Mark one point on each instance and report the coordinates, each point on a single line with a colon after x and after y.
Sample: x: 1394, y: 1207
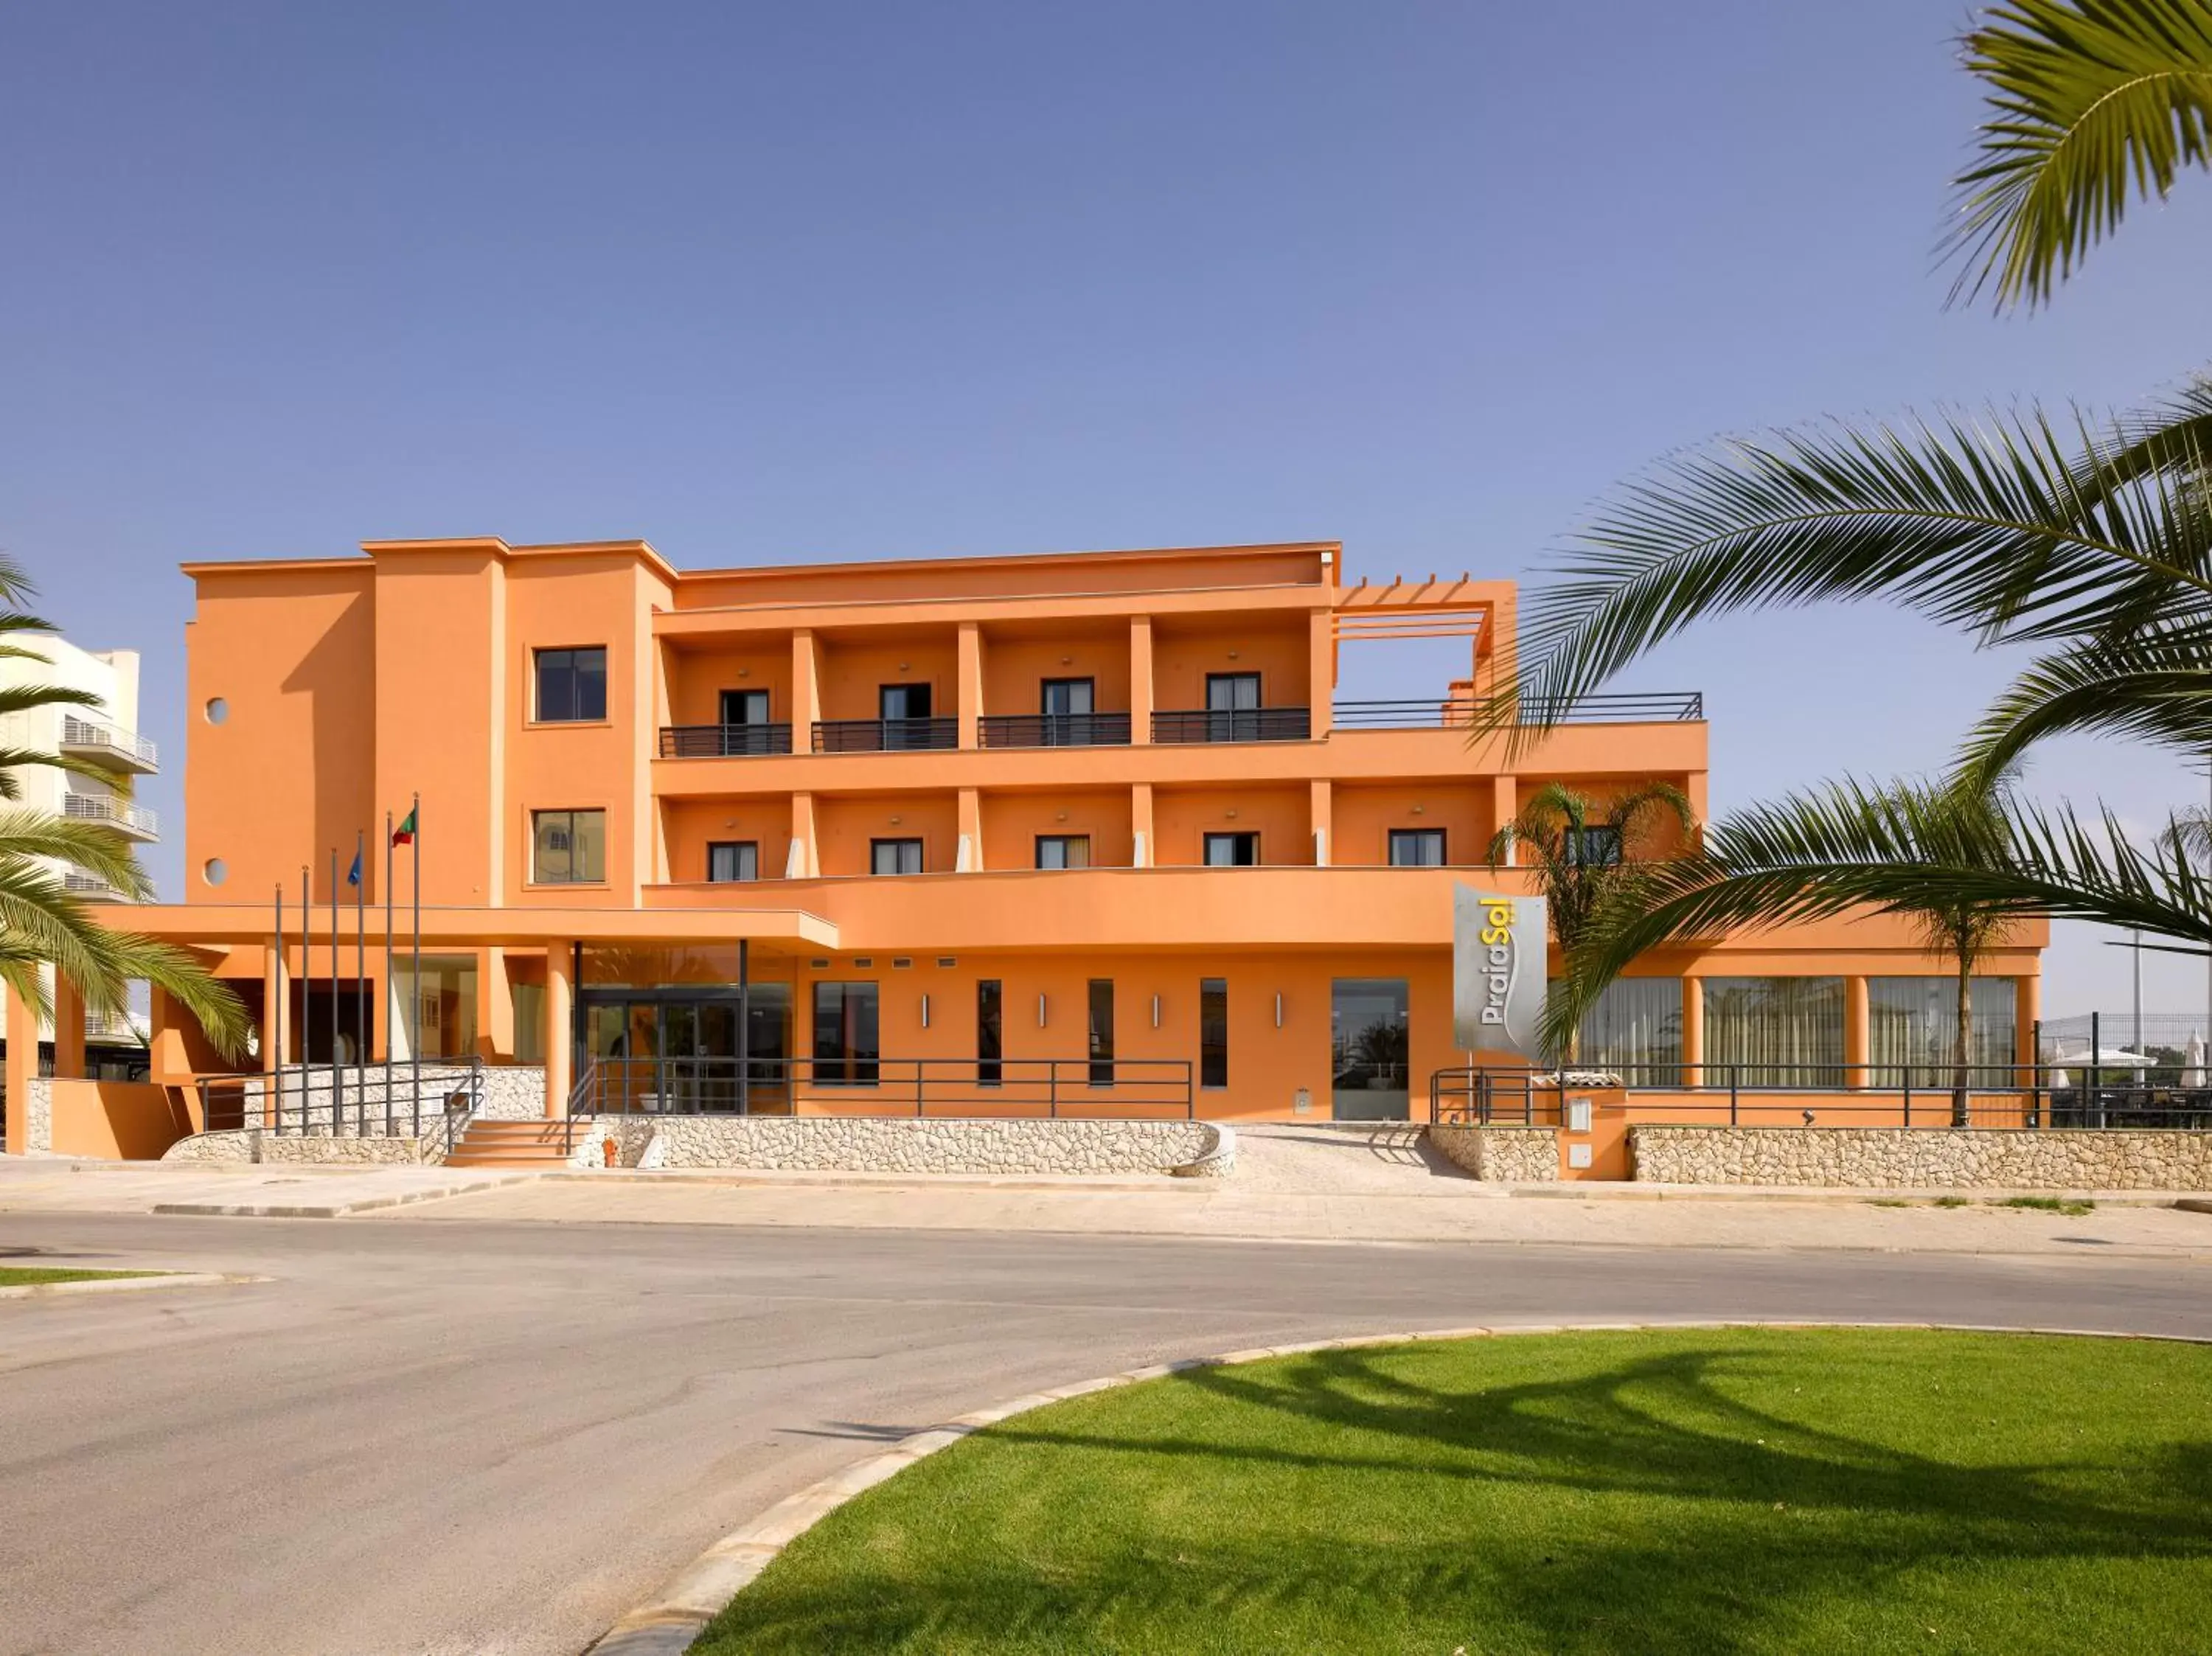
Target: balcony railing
x: 79, y: 883
x: 102, y: 808
x: 104, y: 742
x: 722, y: 741
x: 1053, y: 730
x: 1621, y: 707
x: 885, y: 735
x: 1242, y: 725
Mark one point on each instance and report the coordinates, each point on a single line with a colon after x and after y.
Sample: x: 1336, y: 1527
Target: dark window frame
x: 1213, y: 1042
x: 1601, y: 834
x: 1206, y: 845
x: 1259, y: 691
x: 768, y: 708
x: 1099, y: 1026
x: 1400, y: 835
x: 1046, y: 686
x: 734, y: 845
x: 1062, y: 840
x: 877, y: 847
x: 578, y: 712
x: 838, y: 1062
x: 572, y: 812
x: 990, y: 1031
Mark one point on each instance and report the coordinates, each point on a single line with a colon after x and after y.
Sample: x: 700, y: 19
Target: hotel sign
x: 1499, y: 946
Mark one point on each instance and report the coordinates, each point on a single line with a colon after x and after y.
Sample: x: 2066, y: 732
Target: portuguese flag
x: 405, y: 834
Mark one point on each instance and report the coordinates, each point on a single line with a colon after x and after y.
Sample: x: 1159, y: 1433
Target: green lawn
x: 1699, y: 1491
x: 35, y: 1276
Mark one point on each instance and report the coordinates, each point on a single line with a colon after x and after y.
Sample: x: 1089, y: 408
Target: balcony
x: 91, y: 887
x: 722, y: 741
x: 885, y: 735
x: 1052, y: 730
x: 1625, y: 707
x: 123, y: 750
x: 136, y: 822
x: 1241, y: 725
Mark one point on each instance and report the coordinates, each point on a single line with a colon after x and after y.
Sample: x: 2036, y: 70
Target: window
x: 528, y: 1001
x: 1232, y: 706
x: 990, y: 1027
x: 1913, y: 1023
x: 1774, y: 1032
x: 904, y: 710
x: 733, y: 860
x: 568, y: 847
x: 846, y: 1049
x: 1416, y: 847
x: 1213, y: 1032
x: 572, y: 685
x: 1593, y: 847
x: 1232, y: 850
x: 1066, y: 697
x: 745, y: 707
x: 1635, y: 1030
x: 1102, y: 1032
x: 1063, y: 851
x: 894, y: 856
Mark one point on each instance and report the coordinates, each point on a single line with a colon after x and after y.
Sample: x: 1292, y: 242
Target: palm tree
x: 42, y: 922
x: 1846, y: 847
x: 1588, y: 853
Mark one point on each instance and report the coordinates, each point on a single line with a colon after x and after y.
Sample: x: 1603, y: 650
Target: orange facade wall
x: 696, y: 679
x: 1282, y: 817
x: 1013, y: 821
x: 854, y: 668
x: 1016, y: 666
x: 845, y: 829
x: 690, y: 825
x: 127, y: 1121
x: 1185, y: 651
x: 1364, y: 815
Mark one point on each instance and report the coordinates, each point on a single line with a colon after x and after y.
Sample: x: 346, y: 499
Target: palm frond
x: 2091, y: 105
x: 2155, y: 687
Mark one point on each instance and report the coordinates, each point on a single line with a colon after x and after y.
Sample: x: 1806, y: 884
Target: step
x: 553, y: 1158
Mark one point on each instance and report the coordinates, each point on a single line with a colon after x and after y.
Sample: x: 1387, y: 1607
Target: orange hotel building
x: 961, y: 815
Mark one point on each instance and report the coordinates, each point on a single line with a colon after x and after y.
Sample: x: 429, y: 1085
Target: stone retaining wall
x: 1923, y: 1157
x: 879, y: 1144
x: 1501, y: 1156
x: 39, y: 1129
x: 255, y: 1144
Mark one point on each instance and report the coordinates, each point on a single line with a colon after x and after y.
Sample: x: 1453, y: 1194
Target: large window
x: 1416, y: 847
x: 1370, y: 1049
x: 990, y: 1032
x: 1232, y: 706
x: 733, y: 860
x: 1102, y: 1032
x: 1635, y: 1031
x: 1232, y: 850
x: 1598, y: 846
x: 442, y: 1006
x: 572, y: 685
x: 1213, y: 1032
x: 894, y: 856
x: 1914, y: 1022
x: 1777, y: 1032
x: 1063, y: 851
x: 568, y: 847
x: 846, y: 1052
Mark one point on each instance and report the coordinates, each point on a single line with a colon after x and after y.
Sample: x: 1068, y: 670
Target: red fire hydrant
x: 608, y: 1145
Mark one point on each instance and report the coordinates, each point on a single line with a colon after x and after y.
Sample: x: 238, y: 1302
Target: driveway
x: 493, y: 1437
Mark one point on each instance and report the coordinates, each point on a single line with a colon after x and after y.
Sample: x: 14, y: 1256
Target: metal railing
x: 90, y: 733
x: 722, y: 741
x: 885, y: 735
x: 376, y: 1101
x: 89, y: 885
x: 1053, y: 730
x: 2005, y: 1095
x: 1103, y: 1089
x: 1240, y: 725
x: 106, y: 808
x: 1621, y: 707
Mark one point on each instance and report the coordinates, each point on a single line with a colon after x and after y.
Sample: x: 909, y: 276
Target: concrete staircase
x: 511, y: 1144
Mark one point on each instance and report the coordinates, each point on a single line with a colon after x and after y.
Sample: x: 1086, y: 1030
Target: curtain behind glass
x: 1785, y: 1032
x: 1912, y: 1021
x: 1635, y: 1031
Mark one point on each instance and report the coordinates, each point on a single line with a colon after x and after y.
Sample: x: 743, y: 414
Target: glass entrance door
x: 1369, y: 1050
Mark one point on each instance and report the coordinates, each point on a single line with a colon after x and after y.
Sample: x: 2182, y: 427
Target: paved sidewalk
x: 57, y: 1185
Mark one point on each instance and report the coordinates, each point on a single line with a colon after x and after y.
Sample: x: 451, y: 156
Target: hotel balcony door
x: 1370, y: 1049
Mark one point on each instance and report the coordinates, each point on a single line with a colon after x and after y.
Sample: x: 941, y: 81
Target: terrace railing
x: 1239, y: 724
x: 1431, y: 713
x: 722, y: 741
x: 1053, y: 730
x: 885, y: 735
x: 1096, y: 1090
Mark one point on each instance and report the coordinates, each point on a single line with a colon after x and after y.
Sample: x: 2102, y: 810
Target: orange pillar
x: 1504, y: 805
x: 1858, y: 1031
x: 560, y: 1012
x: 2027, y: 1010
x: 1140, y: 678
x: 970, y: 691
x: 805, y: 690
x: 1321, y: 815
x: 22, y: 1065
x: 1320, y: 670
x: 275, y: 993
x: 1693, y: 1032
x: 805, y: 861
x: 1146, y: 852
x: 68, y: 1028
x: 970, y: 857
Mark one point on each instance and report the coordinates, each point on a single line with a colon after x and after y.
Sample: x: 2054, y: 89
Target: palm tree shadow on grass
x: 1807, y: 1516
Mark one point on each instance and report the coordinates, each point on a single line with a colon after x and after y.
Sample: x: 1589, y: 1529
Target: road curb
x: 336, y: 1210
x: 129, y: 1284
x: 667, y: 1623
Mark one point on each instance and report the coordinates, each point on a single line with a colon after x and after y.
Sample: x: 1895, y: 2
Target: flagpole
x: 361, y: 973
x: 282, y: 988
x: 390, y: 1000
x: 415, y: 1011
x: 338, y: 1076
x: 307, y: 991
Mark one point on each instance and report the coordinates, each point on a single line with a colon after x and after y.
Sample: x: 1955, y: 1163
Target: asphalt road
x: 494, y: 1437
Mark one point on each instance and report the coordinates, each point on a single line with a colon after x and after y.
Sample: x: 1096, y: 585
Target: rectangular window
x: 1232, y: 850
x: 733, y: 860
x: 568, y: 847
x: 1774, y: 1032
x: 1232, y: 706
x: 1370, y: 1049
x: 1912, y: 1024
x: 528, y: 1000
x: 990, y: 1028
x: 1416, y: 847
x: 1593, y: 847
x: 745, y: 707
x: 1213, y: 1032
x: 846, y: 1049
x: 895, y: 701
x: 894, y: 856
x: 1102, y: 1032
x: 1063, y: 851
x: 572, y: 685
x: 1635, y: 1031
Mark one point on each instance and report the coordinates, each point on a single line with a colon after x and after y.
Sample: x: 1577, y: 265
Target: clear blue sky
x: 773, y: 282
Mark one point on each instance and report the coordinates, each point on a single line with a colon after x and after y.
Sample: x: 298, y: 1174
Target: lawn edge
x: 674, y: 1617
x: 128, y: 1284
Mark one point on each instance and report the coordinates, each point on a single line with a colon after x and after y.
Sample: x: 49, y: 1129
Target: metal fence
x: 364, y: 1102
x: 1099, y: 1089
x: 1622, y: 708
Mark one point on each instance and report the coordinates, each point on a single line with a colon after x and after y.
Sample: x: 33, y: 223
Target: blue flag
x: 353, y: 874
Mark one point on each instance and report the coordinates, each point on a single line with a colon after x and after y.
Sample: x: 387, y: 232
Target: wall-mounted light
x: 745, y: 672
x: 1040, y: 1011
x: 925, y: 1012
x: 1278, y: 1008
x: 1067, y: 661
x: 1418, y: 810
x: 896, y: 821
x: 1230, y: 813
x: 1156, y: 1011
x: 1232, y: 655
x: 901, y: 666
x: 1059, y: 817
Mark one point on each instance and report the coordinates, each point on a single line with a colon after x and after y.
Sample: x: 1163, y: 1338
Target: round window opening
x: 217, y: 710
x: 213, y: 872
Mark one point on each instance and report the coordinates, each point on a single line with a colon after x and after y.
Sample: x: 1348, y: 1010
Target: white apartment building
x: 106, y: 736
